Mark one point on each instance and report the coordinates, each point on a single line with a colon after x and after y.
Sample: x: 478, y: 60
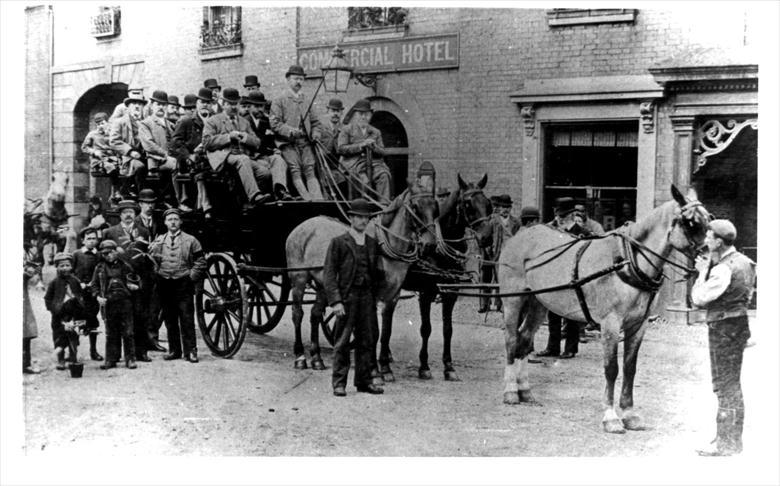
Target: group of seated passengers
x: 260, y: 140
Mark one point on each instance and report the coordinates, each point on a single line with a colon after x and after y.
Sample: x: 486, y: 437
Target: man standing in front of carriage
x: 352, y: 274
x: 724, y: 288
x: 228, y: 139
x: 181, y: 265
x: 293, y: 126
x: 267, y: 161
x: 355, y: 140
x: 123, y: 139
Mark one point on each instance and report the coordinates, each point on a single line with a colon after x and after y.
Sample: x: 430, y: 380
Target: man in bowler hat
x: 352, y: 275
x: 187, y: 145
x: 327, y: 134
x: 123, y: 137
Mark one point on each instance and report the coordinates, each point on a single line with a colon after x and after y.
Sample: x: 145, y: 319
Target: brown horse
x: 409, y: 217
x: 541, y: 257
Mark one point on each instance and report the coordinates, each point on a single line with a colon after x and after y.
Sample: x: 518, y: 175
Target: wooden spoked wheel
x: 267, y: 294
x: 221, y: 304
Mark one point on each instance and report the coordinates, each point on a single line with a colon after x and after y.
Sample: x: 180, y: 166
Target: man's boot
x: 27, y: 367
x: 60, y: 354
x: 301, y: 188
x: 93, y: 352
x: 314, y: 188
x: 721, y: 445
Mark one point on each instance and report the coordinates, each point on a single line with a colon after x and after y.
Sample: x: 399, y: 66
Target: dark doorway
x: 728, y: 187
x: 397, y: 146
x: 103, y: 97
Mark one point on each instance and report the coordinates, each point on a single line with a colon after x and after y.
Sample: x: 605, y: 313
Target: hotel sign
x: 387, y: 55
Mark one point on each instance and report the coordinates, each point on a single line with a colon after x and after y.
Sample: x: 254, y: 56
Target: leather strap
x: 578, y: 285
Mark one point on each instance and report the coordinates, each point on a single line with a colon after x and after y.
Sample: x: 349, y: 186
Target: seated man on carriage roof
x: 124, y: 141
x: 102, y: 159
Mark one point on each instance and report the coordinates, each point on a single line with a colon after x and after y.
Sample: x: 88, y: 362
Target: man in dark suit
x: 228, y: 140
x: 187, y: 146
x: 267, y: 159
x: 352, y: 275
x: 147, y: 302
x: 127, y: 231
x: 327, y: 134
x: 145, y: 219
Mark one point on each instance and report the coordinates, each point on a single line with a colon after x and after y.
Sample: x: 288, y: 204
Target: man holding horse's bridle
x: 724, y: 288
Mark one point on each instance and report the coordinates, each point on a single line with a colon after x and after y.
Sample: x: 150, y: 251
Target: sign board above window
x: 388, y: 55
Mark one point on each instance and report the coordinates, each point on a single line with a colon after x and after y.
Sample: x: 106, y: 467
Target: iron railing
x: 372, y: 17
x: 106, y: 23
x: 220, y: 34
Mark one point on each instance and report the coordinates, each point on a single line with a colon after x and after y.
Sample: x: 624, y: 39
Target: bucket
x: 76, y: 370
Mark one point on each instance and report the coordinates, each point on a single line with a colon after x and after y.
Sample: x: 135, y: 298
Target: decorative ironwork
x: 646, y: 114
x: 106, y: 23
x: 528, y: 115
x: 372, y: 17
x: 713, y: 137
x: 221, y: 27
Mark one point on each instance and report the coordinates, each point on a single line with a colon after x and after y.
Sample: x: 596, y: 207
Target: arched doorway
x: 103, y: 97
x: 397, y: 147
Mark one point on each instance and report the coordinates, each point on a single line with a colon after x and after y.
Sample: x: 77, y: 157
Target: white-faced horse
x: 627, y: 265
x: 401, y: 228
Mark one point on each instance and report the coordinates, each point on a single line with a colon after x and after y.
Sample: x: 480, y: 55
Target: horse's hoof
x: 527, y: 398
x: 317, y: 364
x: 450, y: 375
x: 425, y: 374
x: 300, y: 364
x: 614, y: 426
x: 633, y: 422
x: 511, y: 398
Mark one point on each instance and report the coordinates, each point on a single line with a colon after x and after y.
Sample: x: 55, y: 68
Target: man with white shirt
x: 724, y: 288
x: 352, y: 275
x: 293, y: 126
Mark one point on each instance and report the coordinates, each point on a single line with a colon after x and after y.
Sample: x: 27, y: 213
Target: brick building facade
x: 610, y: 106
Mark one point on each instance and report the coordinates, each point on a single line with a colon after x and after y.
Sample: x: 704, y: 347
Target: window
x: 596, y: 164
x: 106, y: 23
x: 578, y: 16
x: 376, y: 17
x: 221, y: 27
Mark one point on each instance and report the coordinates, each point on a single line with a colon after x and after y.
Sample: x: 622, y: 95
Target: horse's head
x: 423, y: 213
x: 689, y: 226
x: 476, y: 208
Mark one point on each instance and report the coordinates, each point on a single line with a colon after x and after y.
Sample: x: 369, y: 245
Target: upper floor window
x: 106, y: 22
x: 579, y: 16
x: 221, y: 27
x: 373, y: 17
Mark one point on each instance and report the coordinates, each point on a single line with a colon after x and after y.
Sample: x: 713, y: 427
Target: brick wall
x: 37, y: 113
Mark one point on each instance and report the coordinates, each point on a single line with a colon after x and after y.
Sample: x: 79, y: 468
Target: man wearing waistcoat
x: 724, y: 288
x: 352, y: 275
x: 181, y: 265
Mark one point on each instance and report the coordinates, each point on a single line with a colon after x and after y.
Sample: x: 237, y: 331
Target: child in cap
x: 65, y: 301
x: 113, y: 283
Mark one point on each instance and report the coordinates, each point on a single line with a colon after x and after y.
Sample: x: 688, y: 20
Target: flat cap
x: 62, y: 256
x: 108, y: 245
x: 724, y: 229
x: 175, y: 211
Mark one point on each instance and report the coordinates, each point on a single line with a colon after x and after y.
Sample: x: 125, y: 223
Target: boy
x: 351, y: 279
x: 84, y: 262
x: 113, y: 283
x: 66, y: 303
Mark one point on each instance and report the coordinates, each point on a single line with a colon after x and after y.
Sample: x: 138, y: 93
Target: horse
x: 466, y: 207
x: 410, y: 215
x: 621, y: 272
x: 45, y: 223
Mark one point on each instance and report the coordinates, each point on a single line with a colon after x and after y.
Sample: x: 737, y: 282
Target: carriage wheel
x: 221, y: 304
x: 267, y: 302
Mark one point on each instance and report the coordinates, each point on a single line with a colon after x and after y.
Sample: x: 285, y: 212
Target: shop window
x: 362, y: 18
x: 596, y: 164
x: 558, y: 17
x: 106, y: 25
x: 221, y: 27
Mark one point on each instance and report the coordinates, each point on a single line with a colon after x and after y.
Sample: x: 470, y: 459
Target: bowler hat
x: 147, y: 195
x: 295, y: 70
x: 205, y: 94
x: 564, y: 206
x: 128, y: 204
x: 211, y: 83
x: 724, y: 229
x: 160, y: 96
x: 173, y: 100
x: 231, y: 95
x: 189, y: 101
x: 99, y: 117
x: 63, y: 255
x: 362, y: 105
x: 360, y: 207
x: 175, y: 211
x: 251, y: 80
x: 108, y: 245
x: 530, y: 212
x: 504, y: 200
x: 256, y: 98
x: 335, y: 104
x: 135, y: 97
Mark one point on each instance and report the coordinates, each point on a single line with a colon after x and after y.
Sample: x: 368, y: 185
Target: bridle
x: 443, y: 245
x: 418, y: 227
x: 687, y: 225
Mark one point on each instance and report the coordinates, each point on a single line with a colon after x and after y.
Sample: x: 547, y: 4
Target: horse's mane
x: 388, y: 214
x: 640, y: 229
